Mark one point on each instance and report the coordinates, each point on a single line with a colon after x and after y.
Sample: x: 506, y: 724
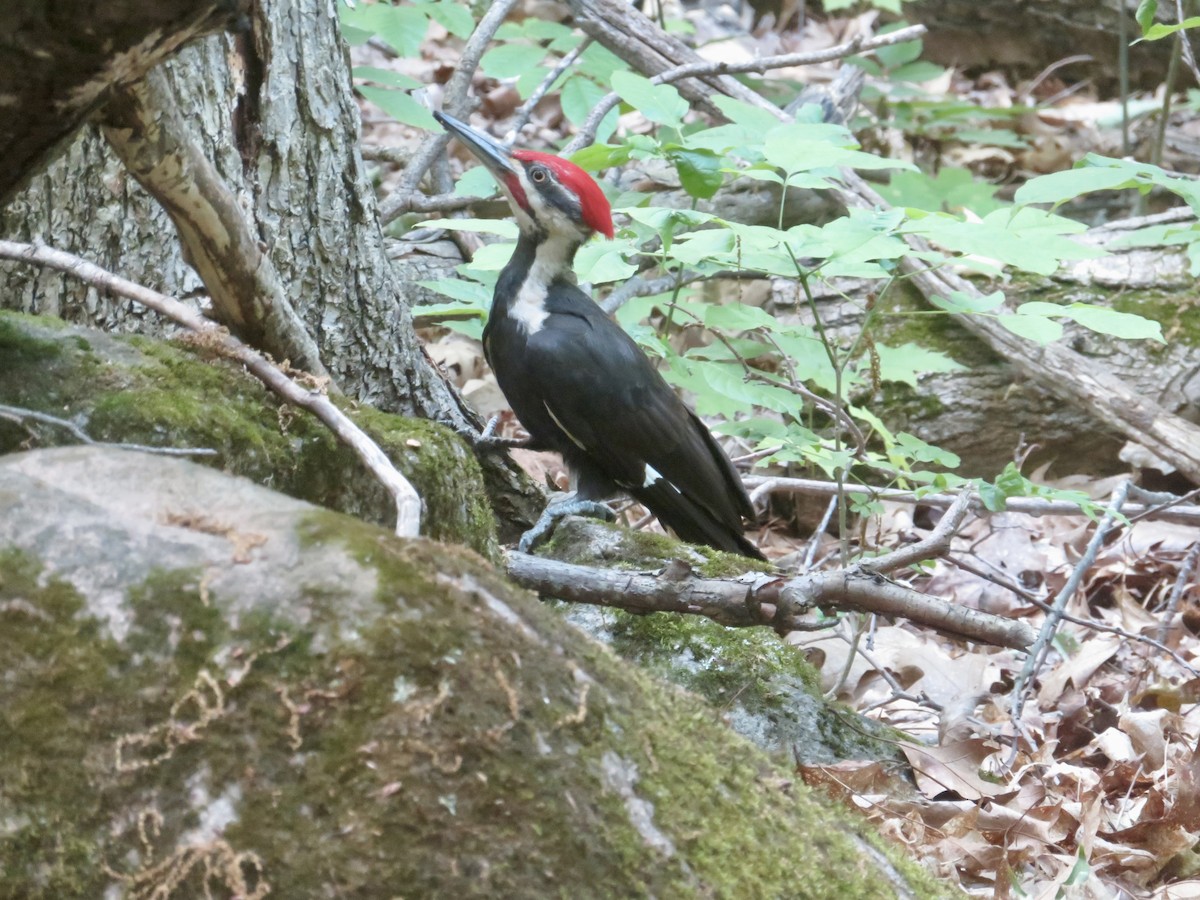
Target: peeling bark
x: 53, y: 73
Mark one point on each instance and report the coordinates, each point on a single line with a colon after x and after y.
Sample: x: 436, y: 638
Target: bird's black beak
x: 497, y: 159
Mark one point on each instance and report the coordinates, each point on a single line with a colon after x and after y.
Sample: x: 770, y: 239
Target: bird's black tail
x: 692, y: 522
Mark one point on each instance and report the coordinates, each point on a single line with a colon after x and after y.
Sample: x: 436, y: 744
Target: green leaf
x: 511, y: 60
x: 599, y: 262
x: 895, y: 55
x: 1040, y: 329
x: 601, y: 156
x: 1145, y: 14
x: 659, y: 103
x: 751, y: 117
x: 400, y: 106
x: 476, y: 182
x: 455, y: 17
x: 387, y: 78
x: 735, y: 317
x: 918, y: 72
x: 699, y: 171
x: 355, y: 36
x: 802, y: 147
x: 905, y: 362
x: 598, y: 63
x: 492, y: 257
x: 579, y: 96
x: 917, y: 450
x: 400, y: 27
x: 467, y: 293
x: 959, y: 302
x: 1060, y: 186
x: 1029, y: 239
x: 1159, y: 30
x: 1110, y: 321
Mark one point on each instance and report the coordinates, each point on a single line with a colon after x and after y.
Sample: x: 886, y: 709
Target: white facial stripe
x: 529, y: 308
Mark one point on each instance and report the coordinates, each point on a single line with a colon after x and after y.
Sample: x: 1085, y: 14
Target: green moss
x: 443, y: 734
x: 142, y: 391
x: 1180, y: 320
x: 19, y: 345
x: 585, y: 542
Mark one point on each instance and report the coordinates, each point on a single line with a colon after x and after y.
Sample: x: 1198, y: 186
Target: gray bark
x: 273, y: 109
x: 53, y: 74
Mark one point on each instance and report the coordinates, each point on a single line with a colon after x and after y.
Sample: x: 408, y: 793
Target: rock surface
x: 208, y: 686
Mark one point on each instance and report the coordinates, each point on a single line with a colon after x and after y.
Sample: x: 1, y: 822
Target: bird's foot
x: 569, y: 506
x: 489, y: 440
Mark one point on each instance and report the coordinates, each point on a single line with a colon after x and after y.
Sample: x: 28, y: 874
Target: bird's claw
x: 554, y: 512
x: 488, y: 439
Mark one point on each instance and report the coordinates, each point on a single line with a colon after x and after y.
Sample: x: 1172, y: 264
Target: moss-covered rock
x: 763, y: 687
x: 251, y: 694
x: 143, y: 391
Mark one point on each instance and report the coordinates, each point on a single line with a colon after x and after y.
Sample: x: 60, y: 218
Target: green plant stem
x: 1160, y: 139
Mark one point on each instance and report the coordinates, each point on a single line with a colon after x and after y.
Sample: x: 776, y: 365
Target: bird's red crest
x: 596, y: 211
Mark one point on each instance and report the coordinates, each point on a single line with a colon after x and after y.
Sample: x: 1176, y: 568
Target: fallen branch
x: 408, y: 503
x: 760, y: 599
x: 764, y: 485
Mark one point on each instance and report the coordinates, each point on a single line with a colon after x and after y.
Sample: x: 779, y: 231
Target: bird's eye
x: 538, y: 175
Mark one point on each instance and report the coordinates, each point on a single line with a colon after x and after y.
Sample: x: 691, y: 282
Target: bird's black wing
x: 616, y: 408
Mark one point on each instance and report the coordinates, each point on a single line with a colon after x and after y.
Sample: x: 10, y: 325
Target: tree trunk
x: 273, y: 110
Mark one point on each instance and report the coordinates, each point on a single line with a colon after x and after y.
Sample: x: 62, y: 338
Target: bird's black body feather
x: 582, y: 387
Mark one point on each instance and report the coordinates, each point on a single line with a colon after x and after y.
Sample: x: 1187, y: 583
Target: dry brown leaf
x: 1077, y: 669
x: 954, y: 768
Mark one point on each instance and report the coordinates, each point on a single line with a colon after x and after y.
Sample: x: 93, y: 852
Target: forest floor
x: 1086, y: 785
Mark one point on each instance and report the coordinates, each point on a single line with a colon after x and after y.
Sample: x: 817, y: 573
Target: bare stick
x: 455, y: 102
x: 408, y: 503
x: 521, y: 117
x: 20, y: 414
x: 1181, y: 584
x: 932, y: 547
x: 587, y: 133
x: 761, y: 599
x: 762, y: 485
x: 1041, y: 647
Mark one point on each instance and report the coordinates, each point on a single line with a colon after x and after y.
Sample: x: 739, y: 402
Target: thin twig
x: 1008, y: 584
x: 525, y: 110
x: 761, y: 485
x: 408, y: 503
x: 1041, y: 646
x: 1182, y: 581
x: 587, y: 133
x: 815, y: 541
x: 455, y: 102
x: 20, y: 414
x: 932, y: 547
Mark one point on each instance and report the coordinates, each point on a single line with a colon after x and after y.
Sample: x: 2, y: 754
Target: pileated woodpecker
x: 577, y: 382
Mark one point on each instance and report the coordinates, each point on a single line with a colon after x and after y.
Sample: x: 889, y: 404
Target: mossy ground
x: 143, y: 391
